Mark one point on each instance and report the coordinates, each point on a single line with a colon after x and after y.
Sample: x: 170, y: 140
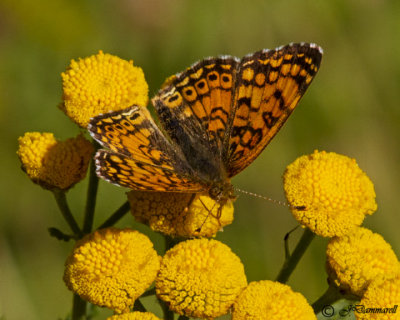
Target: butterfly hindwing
x: 136, y: 175
x: 140, y: 157
x: 269, y: 85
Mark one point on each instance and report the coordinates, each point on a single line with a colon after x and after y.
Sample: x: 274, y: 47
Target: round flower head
x: 358, y: 258
x: 54, y: 164
x: 112, y: 268
x: 200, y: 278
x: 385, y: 295
x: 134, y: 316
x: 99, y: 84
x: 271, y: 300
x: 328, y: 193
x: 180, y: 214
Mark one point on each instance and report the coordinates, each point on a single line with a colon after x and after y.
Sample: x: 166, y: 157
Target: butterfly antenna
x: 281, y: 203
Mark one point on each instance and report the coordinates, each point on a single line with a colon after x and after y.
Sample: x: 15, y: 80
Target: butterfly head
x: 222, y: 192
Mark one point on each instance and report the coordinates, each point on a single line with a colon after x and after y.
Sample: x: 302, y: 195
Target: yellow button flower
x: 271, y: 300
x: 381, y: 301
x: 112, y: 268
x: 180, y: 214
x: 356, y: 259
x: 200, y: 278
x: 134, y: 316
x: 328, y: 193
x: 54, y: 164
x: 101, y: 83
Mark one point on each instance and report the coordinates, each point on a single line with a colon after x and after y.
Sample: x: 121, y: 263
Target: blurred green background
x: 352, y: 108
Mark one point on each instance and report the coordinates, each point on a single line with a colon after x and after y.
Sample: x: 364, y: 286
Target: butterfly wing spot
x: 202, y: 87
x: 260, y: 79
x: 248, y: 74
x: 189, y: 93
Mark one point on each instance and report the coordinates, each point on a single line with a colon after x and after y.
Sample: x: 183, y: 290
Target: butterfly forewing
x: 195, y: 110
x: 269, y: 85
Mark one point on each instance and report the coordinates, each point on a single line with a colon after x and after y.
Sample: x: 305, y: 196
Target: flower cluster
x: 381, y: 295
x: 180, y: 214
x: 359, y: 258
x: 112, y: 268
x: 99, y: 84
x: 200, y: 278
x: 328, y: 194
x: 271, y: 300
x: 134, y: 316
x: 331, y: 195
x: 54, y: 164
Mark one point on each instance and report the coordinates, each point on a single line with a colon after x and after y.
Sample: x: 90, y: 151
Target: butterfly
x: 215, y: 118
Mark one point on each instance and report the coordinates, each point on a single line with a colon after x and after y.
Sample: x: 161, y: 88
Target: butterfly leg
x: 210, y: 213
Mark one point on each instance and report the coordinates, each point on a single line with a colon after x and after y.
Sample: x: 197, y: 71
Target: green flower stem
x: 168, y: 314
x: 78, y: 308
x: 66, y: 212
x: 183, y: 318
x: 291, y: 263
x: 91, y: 198
x: 330, y: 296
x: 170, y: 242
x: 139, y: 306
x: 121, y: 211
x: 150, y: 292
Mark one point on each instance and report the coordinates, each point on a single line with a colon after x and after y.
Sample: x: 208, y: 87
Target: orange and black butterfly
x: 216, y: 117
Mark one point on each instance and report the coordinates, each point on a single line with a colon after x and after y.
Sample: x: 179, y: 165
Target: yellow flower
x: 328, y: 193
x: 180, y: 214
x: 385, y: 295
x: 271, y: 300
x: 200, y: 278
x: 112, y: 268
x: 356, y: 259
x: 101, y: 83
x: 134, y: 316
x: 54, y: 164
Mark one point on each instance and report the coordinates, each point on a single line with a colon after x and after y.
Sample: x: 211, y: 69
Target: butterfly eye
x: 215, y: 192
